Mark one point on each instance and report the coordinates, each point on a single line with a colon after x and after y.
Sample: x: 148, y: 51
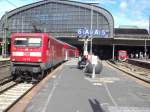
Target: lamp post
x: 91, y: 39
x: 91, y: 28
x: 5, y: 29
x: 145, y: 50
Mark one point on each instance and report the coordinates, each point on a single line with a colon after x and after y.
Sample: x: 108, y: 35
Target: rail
x: 140, y: 63
x: 133, y: 70
x: 4, y: 63
x: 5, y: 74
x: 9, y: 97
x: 5, y: 80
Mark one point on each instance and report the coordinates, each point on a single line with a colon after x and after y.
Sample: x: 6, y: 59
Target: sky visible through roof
x: 125, y: 12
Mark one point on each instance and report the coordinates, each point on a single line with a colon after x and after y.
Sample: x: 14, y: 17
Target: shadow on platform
x: 96, y: 106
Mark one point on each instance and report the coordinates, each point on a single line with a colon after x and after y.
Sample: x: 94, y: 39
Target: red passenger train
x: 122, y: 55
x: 34, y: 53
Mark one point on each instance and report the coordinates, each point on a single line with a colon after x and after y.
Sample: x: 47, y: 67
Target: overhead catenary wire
x: 11, y: 3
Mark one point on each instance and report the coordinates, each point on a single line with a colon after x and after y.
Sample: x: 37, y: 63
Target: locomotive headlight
x: 39, y: 60
x: 14, y: 49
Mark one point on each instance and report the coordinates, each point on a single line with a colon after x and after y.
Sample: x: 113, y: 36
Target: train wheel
x: 41, y: 75
x: 14, y: 76
x: 46, y: 73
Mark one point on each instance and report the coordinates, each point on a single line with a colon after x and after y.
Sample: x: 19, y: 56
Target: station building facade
x: 66, y: 20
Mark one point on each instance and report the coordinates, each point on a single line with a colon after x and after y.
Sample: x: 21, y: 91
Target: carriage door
x: 53, y: 61
x: 49, y: 57
x: 66, y: 54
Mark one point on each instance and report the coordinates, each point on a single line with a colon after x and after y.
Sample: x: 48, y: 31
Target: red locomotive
x: 122, y: 55
x: 34, y: 53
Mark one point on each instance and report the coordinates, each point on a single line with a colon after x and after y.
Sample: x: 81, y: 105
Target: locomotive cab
x: 26, y: 49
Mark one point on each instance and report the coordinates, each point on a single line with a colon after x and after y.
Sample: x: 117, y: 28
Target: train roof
x: 26, y: 34
x: 66, y: 45
x: 40, y: 34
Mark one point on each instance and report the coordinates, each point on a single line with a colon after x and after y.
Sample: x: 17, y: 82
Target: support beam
x: 113, y: 52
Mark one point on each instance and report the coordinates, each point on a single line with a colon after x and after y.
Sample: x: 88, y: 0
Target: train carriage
x: 70, y: 51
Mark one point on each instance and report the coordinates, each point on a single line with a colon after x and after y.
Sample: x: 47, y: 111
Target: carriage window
x: 26, y: 41
x: 122, y: 53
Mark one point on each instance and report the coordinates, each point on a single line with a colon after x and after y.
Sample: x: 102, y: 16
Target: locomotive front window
x: 20, y: 42
x: 122, y: 53
x: 33, y: 42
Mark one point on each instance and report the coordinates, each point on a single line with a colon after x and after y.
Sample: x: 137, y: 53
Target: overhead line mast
x: 11, y: 3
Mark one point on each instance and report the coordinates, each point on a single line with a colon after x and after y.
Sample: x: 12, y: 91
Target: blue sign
x: 96, y: 32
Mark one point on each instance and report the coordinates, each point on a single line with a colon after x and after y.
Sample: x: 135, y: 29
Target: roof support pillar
x: 113, y: 52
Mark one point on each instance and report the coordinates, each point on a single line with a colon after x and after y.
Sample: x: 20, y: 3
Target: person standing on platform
x: 136, y: 55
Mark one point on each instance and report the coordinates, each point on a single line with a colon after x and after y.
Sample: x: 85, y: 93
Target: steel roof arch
x: 100, y: 10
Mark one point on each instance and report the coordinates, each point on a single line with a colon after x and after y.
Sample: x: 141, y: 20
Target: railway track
x: 10, y: 91
x: 4, y: 63
x: 5, y: 75
x: 5, y: 84
x: 136, y: 71
x: 139, y: 70
x: 10, y: 96
x: 5, y: 80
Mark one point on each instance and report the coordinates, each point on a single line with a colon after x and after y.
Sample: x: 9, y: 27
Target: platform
x: 4, y: 59
x: 72, y: 90
x: 142, y: 60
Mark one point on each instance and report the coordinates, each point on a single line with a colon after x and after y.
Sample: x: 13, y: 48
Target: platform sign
x: 83, y: 33
x: 85, y: 53
x: 94, y: 60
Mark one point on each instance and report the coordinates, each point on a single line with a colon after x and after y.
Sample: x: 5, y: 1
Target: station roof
x: 86, y: 6
x: 130, y: 31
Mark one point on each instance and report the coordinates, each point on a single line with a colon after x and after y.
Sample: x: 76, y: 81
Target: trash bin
x: 98, y: 68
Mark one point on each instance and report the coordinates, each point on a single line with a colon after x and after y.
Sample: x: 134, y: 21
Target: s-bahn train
x: 34, y: 53
x: 122, y: 55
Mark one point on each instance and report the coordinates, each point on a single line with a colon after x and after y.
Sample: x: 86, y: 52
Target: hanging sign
x: 96, y: 32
